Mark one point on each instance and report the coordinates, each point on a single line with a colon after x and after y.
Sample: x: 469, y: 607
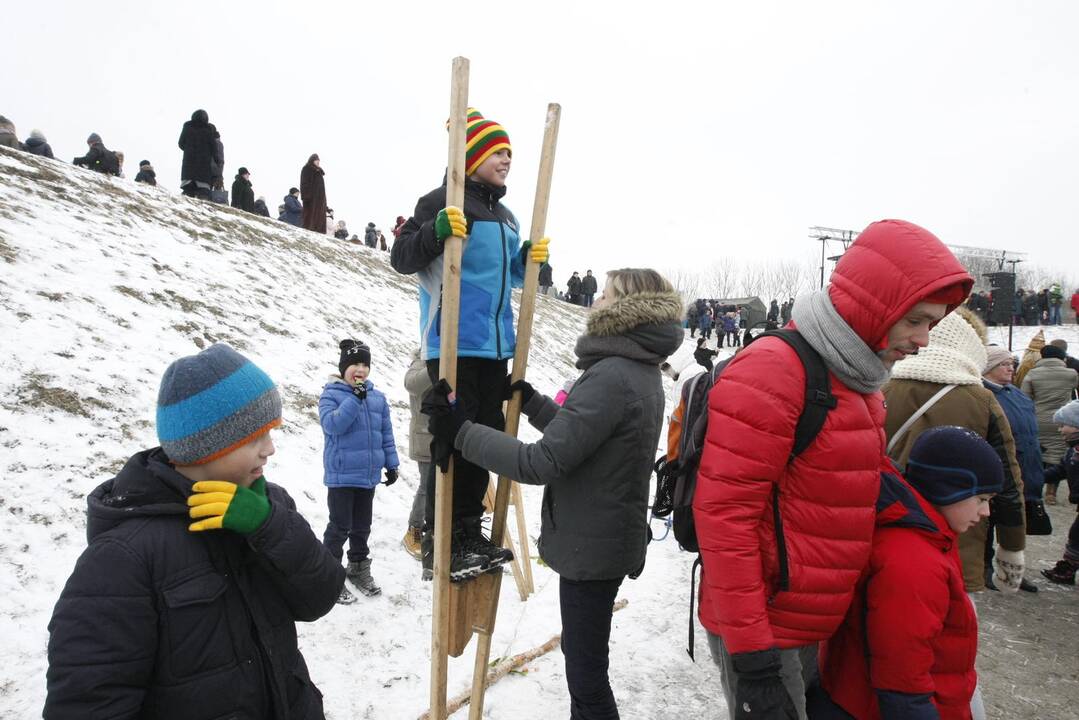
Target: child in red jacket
x: 906, y: 648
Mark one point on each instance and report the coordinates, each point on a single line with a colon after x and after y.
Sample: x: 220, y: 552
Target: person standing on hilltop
x: 589, y: 287
x: 198, y: 141
x: 243, y: 196
x: 313, y: 193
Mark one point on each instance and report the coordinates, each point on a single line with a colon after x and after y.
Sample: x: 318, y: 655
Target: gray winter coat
x: 596, y: 454
x: 1050, y: 384
x: 417, y: 382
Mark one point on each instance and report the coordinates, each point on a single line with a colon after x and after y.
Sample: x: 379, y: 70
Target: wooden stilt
x: 513, y: 410
x: 451, y: 305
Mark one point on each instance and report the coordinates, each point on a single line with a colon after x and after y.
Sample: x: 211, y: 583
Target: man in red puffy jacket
x: 784, y: 541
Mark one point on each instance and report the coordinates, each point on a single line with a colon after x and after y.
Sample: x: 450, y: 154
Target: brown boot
x: 1050, y: 494
x: 411, y: 542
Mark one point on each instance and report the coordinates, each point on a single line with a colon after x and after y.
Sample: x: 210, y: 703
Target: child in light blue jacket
x: 355, y: 420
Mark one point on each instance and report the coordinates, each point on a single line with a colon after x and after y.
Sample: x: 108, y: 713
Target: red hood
x: 890, y: 268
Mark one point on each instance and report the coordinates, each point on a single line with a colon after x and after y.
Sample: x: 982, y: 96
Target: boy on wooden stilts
x: 493, y: 263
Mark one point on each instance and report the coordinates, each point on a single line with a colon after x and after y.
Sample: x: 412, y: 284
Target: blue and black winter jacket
x: 490, y: 268
x: 359, y: 436
x: 1023, y: 420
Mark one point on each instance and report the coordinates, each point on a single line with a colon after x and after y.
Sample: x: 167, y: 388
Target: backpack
x: 676, y: 471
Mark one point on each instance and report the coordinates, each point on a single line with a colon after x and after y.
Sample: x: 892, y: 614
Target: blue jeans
x: 1054, y: 314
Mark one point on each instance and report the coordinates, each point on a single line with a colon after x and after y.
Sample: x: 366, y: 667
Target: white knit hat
x: 955, y: 355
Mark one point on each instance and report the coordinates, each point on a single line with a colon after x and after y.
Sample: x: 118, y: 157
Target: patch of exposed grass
x: 37, y: 392
x: 131, y: 292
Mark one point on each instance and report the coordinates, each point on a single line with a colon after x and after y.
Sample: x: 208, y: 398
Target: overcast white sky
x: 690, y: 130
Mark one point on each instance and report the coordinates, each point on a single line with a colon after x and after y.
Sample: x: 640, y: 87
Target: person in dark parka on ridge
x: 594, y: 460
x: 146, y: 173
x: 293, y: 213
x: 99, y: 158
x: 243, y: 197
x: 198, y: 140
x: 185, y: 602
x: 313, y: 193
x: 546, y: 278
x: 36, y: 144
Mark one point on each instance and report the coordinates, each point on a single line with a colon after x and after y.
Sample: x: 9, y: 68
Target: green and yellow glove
x: 537, y: 251
x: 217, y: 504
x: 450, y: 222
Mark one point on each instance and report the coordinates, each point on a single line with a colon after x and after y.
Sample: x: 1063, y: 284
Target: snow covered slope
x: 103, y: 282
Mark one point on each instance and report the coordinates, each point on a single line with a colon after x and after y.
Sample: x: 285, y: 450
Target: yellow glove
x: 538, y: 251
x: 228, y: 505
x: 450, y: 221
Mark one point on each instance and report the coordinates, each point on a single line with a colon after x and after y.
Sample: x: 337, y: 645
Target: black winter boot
x: 464, y: 564
x: 475, y: 541
x: 1062, y: 573
x: 360, y: 575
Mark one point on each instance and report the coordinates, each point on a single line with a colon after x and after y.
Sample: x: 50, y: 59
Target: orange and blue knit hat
x: 212, y: 403
x: 483, y: 139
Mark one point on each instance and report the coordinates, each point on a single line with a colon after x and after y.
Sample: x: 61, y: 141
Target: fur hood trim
x: 650, y: 308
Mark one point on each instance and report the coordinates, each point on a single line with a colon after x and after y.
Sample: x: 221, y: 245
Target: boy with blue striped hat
x: 184, y: 602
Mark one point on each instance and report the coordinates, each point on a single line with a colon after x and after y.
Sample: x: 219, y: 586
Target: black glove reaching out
x: 760, y: 693
x: 447, y: 415
x: 391, y: 476
x: 509, y: 387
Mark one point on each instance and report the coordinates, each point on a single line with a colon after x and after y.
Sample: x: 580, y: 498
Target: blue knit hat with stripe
x: 212, y: 403
x: 949, y: 463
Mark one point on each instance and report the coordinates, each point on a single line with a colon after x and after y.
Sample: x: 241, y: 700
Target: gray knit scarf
x: 843, y: 351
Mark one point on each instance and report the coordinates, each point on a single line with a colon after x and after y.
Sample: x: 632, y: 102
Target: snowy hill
x: 103, y: 282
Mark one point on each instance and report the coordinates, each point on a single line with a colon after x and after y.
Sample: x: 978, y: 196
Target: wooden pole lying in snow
x: 513, y: 410
x: 451, y: 307
x: 505, y: 667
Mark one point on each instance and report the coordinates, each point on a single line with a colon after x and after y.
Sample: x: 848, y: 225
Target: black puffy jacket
x: 159, y: 622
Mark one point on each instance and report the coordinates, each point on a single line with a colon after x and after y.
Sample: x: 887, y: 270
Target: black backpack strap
x: 818, y: 398
x: 692, y: 601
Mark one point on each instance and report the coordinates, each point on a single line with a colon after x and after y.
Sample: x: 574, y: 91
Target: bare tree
x: 775, y: 279
x: 686, y: 282
x: 721, y: 279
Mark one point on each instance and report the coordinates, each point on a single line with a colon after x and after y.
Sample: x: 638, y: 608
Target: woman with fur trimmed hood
x: 955, y: 358
x: 594, y: 460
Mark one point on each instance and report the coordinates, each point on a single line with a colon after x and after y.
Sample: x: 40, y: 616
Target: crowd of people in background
x: 1026, y: 307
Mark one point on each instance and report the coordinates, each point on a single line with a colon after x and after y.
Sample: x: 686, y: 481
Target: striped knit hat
x: 483, y: 139
x: 212, y: 403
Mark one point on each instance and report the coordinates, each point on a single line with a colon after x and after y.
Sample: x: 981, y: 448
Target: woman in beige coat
x: 1050, y: 384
